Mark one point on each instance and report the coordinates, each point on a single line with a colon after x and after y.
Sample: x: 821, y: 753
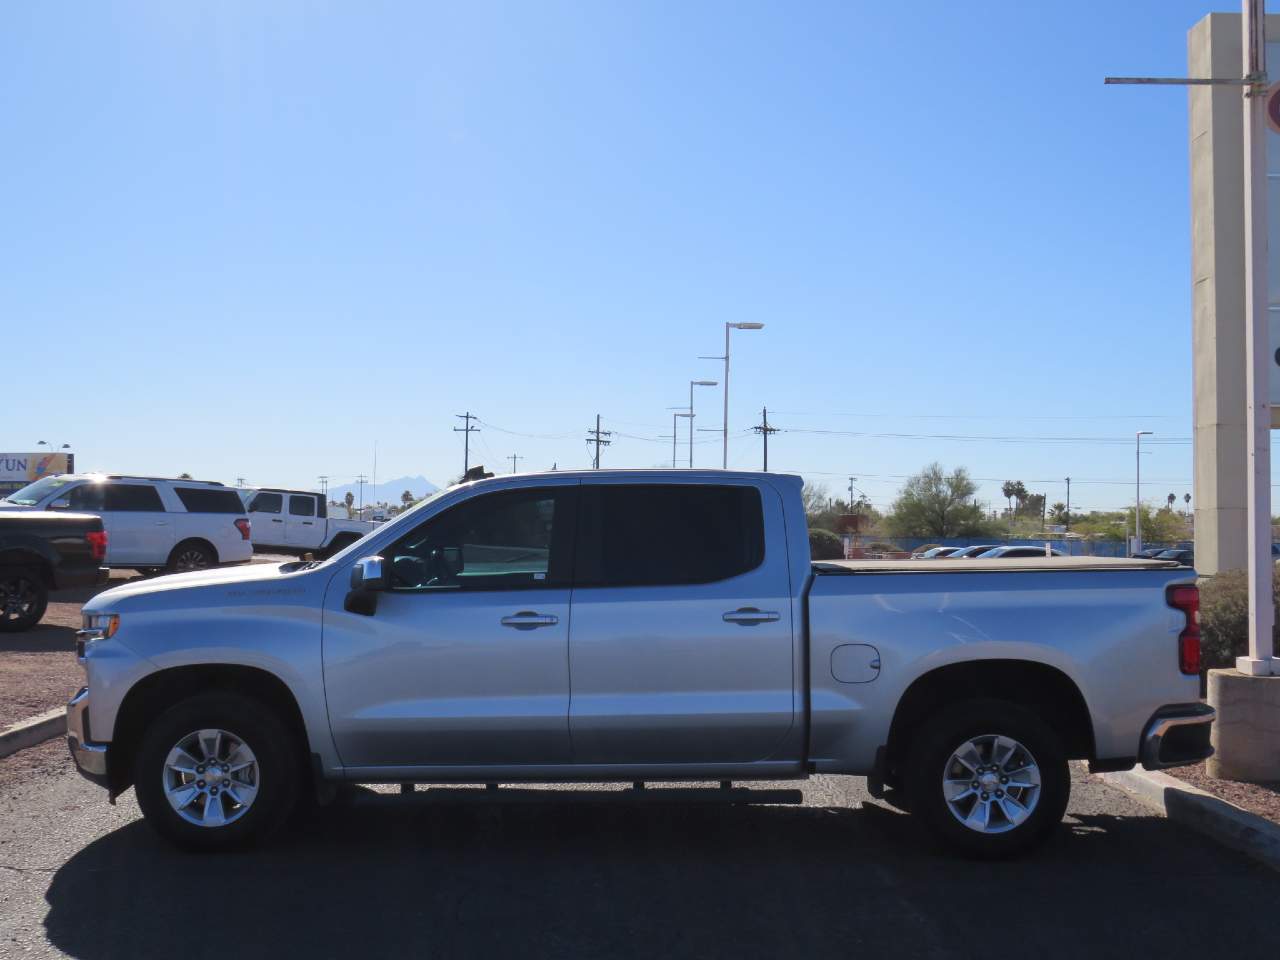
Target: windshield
x: 33, y: 493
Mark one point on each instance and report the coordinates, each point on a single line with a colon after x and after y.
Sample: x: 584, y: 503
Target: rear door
x: 139, y: 529
x: 302, y: 528
x: 681, y: 640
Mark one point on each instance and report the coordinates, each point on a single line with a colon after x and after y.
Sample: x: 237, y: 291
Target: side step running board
x: 648, y: 796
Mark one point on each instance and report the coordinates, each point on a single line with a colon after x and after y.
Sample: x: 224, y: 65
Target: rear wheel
x: 24, y: 596
x: 216, y: 772
x: 190, y: 555
x: 988, y: 778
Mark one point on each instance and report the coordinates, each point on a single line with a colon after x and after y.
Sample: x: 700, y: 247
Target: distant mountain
x: 389, y: 491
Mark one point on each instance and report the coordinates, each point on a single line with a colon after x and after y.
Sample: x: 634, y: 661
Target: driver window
x: 511, y: 540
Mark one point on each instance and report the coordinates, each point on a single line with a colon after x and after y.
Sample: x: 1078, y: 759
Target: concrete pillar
x: 1217, y: 296
x: 1246, y: 734
x: 1217, y: 292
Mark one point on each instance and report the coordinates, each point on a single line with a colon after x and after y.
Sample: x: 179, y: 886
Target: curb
x: 34, y: 730
x: 1190, y: 806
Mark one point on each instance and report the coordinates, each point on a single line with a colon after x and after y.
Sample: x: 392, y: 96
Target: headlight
x: 99, y: 626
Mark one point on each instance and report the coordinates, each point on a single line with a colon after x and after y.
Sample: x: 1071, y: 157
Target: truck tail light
x: 243, y: 526
x: 97, y: 544
x: 1186, y: 598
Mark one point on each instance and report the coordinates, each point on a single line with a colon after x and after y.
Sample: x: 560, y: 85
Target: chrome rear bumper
x: 90, y: 757
x: 1178, y: 735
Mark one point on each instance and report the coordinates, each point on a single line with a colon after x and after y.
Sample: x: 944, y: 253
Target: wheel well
x: 157, y: 692
x: 201, y: 541
x: 1046, y: 690
x: 29, y: 560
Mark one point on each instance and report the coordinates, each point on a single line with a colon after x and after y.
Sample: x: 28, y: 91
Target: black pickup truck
x: 40, y: 552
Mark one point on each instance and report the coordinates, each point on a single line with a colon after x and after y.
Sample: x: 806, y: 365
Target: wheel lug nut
x: 200, y: 769
x: 1004, y: 779
x: 984, y: 795
x: 974, y: 784
x: 999, y: 793
x: 200, y: 784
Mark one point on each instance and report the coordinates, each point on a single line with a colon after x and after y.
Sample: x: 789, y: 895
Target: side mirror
x: 366, y: 582
x: 366, y: 575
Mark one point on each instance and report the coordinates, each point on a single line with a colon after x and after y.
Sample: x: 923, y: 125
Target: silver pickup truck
x: 628, y: 627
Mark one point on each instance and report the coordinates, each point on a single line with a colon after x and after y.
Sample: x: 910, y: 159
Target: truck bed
x: 1013, y: 565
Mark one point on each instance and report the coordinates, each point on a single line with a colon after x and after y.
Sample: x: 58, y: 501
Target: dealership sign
x: 25, y: 467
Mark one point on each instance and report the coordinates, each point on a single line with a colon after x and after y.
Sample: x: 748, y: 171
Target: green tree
x: 934, y: 503
x: 1059, y: 512
x: 406, y: 499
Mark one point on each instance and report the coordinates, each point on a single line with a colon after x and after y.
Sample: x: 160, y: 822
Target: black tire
x: 276, y: 772
x: 24, y: 597
x: 339, y: 544
x: 928, y: 762
x: 191, y: 555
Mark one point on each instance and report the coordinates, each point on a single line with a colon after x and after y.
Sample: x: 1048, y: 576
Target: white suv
x: 151, y: 523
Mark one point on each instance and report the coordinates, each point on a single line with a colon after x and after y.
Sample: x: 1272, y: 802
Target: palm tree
x: 406, y: 498
x: 350, y: 501
x: 1186, y: 498
x: 1172, y: 498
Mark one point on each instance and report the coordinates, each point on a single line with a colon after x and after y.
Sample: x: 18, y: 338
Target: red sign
x: 1273, y: 107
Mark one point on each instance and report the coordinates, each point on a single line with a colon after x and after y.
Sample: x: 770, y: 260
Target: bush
x: 1224, y: 618
x: 825, y: 545
x: 879, y: 546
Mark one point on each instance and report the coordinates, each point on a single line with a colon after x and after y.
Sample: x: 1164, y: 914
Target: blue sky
x: 249, y: 239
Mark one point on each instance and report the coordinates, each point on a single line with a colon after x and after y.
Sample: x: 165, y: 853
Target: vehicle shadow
x: 42, y: 638
x: 566, y: 880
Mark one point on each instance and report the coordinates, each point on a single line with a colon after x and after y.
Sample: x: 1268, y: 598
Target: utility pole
x: 360, y: 480
x: 513, y: 458
x: 324, y: 487
x: 1260, y: 661
x: 597, y: 436
x: 466, y: 432
x: 239, y: 481
x: 764, y: 430
x: 1068, y: 524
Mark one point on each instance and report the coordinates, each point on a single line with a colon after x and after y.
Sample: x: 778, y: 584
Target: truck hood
x: 216, y: 577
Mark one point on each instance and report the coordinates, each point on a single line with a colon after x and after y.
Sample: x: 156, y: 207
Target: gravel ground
x: 1260, y: 798
x: 38, y: 668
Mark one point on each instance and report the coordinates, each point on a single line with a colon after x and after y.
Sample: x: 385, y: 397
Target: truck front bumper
x: 1178, y: 735
x: 90, y: 757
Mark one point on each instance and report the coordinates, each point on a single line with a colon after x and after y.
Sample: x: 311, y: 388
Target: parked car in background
x: 1184, y: 556
x: 936, y: 553
x: 41, y: 551
x: 1149, y: 553
x: 972, y: 551
x: 294, y: 522
x: 1012, y: 552
x: 152, y: 523
x: 625, y: 626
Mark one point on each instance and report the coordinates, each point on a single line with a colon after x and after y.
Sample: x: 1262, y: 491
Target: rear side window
x: 131, y: 498
x: 666, y: 534
x: 267, y: 503
x: 206, y: 500
x: 302, y: 506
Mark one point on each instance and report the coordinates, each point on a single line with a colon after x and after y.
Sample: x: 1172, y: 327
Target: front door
x: 266, y: 518
x: 302, y: 528
x: 681, y: 648
x: 465, y: 660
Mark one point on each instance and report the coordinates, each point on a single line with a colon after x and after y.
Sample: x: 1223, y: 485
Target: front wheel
x: 24, y: 597
x: 988, y: 778
x: 216, y: 772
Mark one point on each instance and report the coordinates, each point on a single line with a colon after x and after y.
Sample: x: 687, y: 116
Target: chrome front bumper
x: 90, y: 757
x: 1178, y: 735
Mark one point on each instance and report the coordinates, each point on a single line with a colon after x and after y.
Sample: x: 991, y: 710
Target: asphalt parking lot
x: 841, y: 876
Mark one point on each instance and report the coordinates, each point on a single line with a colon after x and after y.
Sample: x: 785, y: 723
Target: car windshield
x: 1169, y: 555
x: 33, y: 493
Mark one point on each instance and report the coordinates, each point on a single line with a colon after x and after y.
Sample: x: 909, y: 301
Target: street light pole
x: 692, y: 384
x: 1137, y: 489
x: 724, y: 427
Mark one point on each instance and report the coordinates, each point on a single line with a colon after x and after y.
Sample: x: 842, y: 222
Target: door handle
x: 162, y: 523
x: 276, y: 520
x: 529, y: 620
x: 748, y: 616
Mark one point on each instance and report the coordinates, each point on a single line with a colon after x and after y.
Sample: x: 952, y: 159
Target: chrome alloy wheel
x: 991, y: 783
x: 191, y: 559
x: 211, y: 778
